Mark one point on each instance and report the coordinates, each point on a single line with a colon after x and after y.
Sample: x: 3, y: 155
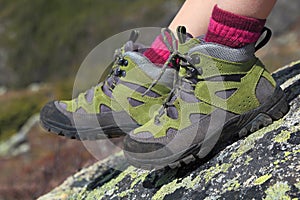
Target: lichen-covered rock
x: 264, y: 165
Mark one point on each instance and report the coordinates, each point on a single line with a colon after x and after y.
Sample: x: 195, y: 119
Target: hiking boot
x: 222, y: 94
x: 115, y: 106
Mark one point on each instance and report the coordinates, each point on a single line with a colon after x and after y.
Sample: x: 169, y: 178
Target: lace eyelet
x: 200, y: 70
x: 195, y: 59
x: 120, y: 61
x: 123, y: 73
x: 117, y: 72
x: 189, y: 74
x: 157, y: 121
x: 125, y: 63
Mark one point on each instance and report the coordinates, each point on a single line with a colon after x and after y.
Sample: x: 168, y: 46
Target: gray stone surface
x: 18, y: 144
x: 264, y: 165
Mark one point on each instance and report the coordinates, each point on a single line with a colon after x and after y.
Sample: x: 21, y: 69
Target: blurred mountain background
x: 43, y: 43
x: 47, y: 40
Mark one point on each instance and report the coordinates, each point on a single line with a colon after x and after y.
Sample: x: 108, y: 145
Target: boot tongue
x: 133, y: 46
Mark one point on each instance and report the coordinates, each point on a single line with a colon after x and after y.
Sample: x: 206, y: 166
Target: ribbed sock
x: 158, y: 53
x: 233, y: 30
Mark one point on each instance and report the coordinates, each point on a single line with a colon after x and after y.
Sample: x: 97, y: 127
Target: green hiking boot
x: 222, y: 94
x: 115, y: 106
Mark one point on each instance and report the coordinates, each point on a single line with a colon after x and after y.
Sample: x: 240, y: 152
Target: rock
x: 3, y: 90
x: 265, y: 164
x: 34, y: 87
x: 17, y: 144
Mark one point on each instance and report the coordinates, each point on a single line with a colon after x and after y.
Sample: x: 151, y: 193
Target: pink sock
x: 233, y: 30
x: 158, y: 53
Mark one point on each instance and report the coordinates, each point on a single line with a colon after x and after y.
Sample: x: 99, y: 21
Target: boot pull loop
x: 181, y: 34
x: 265, y: 40
x: 134, y: 35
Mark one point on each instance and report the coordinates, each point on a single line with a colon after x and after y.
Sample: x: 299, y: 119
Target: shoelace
x: 184, y: 82
x: 174, y: 58
x: 186, y: 72
x: 182, y: 63
x: 174, y: 54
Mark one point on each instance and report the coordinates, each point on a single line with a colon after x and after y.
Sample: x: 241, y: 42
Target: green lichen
x: 297, y: 185
x: 276, y: 162
x: 249, y: 142
x: 296, y: 151
x: 231, y: 185
x: 212, y: 171
x: 287, y: 153
x: 277, y: 191
x: 261, y: 180
x: 285, y: 159
x: 74, y: 196
x: 166, y: 189
x: 248, y: 160
x: 189, y: 183
x: 283, y: 136
x: 171, y: 187
x: 125, y: 193
x: 138, y: 178
x: 110, y: 187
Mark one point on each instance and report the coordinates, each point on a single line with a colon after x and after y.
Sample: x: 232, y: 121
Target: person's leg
x: 194, y: 15
x: 259, y: 9
x: 231, y: 23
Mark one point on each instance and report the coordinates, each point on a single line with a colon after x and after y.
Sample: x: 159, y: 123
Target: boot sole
x: 97, y: 133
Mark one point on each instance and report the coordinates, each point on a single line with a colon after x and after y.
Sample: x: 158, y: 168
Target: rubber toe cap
x: 52, y: 115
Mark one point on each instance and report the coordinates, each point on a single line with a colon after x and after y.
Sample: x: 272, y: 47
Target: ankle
x: 233, y: 30
x: 158, y: 53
